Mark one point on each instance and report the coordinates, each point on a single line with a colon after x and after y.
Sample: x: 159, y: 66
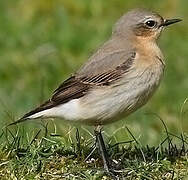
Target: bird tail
x: 37, y: 113
x: 18, y: 121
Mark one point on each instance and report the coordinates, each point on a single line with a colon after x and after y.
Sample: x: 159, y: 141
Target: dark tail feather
x: 42, y: 107
x: 18, y: 121
x: 24, y: 118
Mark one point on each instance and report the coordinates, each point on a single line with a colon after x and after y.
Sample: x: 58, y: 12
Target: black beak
x: 170, y: 21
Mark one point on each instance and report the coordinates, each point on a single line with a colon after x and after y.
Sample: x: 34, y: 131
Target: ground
x: 50, y: 157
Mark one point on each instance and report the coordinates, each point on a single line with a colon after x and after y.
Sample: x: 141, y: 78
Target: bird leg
x: 102, y: 148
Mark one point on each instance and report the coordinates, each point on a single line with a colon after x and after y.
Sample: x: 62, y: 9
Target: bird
x: 119, y: 78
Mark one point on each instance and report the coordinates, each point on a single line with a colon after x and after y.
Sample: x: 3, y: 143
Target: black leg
x: 102, y: 149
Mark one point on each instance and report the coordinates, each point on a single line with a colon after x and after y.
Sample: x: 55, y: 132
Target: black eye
x: 151, y: 23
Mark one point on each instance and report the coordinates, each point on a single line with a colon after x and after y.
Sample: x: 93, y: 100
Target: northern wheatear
x: 116, y: 80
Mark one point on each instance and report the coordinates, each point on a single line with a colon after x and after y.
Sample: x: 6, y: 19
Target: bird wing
x: 80, y: 84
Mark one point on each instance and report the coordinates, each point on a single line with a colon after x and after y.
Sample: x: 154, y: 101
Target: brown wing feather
x: 76, y: 87
x: 71, y: 88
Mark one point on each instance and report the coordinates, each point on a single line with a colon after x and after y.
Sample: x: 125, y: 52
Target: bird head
x: 141, y: 23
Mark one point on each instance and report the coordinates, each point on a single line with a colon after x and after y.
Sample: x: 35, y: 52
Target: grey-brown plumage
x: 78, y: 85
x: 118, y: 79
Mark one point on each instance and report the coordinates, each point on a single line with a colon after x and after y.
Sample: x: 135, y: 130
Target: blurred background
x: 42, y: 42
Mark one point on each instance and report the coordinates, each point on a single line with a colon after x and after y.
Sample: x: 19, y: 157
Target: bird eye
x: 150, y: 23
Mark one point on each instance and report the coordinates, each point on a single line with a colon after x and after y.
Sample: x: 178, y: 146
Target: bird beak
x: 170, y: 21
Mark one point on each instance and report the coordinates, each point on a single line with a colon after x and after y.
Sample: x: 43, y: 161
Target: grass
x: 41, y: 43
x: 50, y: 156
